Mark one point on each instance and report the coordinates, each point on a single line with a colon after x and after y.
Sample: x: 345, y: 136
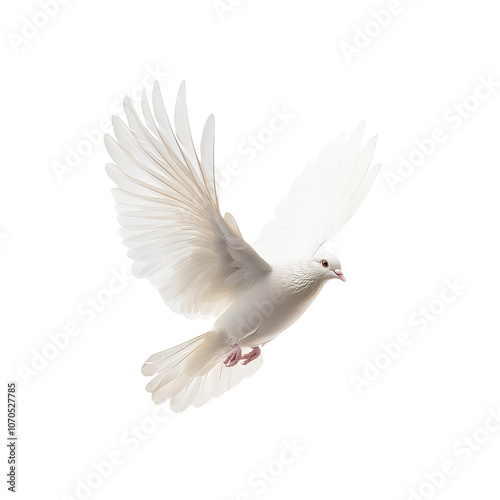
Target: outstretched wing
x: 321, y: 200
x: 169, y: 213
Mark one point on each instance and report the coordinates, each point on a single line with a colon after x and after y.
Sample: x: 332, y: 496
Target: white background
x: 60, y: 246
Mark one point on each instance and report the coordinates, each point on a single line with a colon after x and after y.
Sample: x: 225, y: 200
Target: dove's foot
x: 251, y: 356
x: 234, y: 356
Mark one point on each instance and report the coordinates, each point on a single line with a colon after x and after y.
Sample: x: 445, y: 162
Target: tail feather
x: 208, y: 386
x: 164, y: 378
x: 158, y: 361
x: 193, y: 372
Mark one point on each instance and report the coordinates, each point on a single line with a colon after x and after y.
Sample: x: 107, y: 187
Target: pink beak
x: 340, y: 274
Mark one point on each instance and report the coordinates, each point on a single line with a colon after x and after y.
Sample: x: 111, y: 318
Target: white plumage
x: 321, y: 200
x: 167, y: 200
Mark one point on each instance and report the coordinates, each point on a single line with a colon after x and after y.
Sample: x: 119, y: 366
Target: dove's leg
x: 234, y: 356
x: 251, y: 356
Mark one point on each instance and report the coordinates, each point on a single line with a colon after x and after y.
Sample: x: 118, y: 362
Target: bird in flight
x: 168, y: 206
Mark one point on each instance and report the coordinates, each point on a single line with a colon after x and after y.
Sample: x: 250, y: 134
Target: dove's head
x: 328, y: 267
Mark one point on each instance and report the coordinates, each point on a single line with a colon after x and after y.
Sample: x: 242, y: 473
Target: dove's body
x: 167, y: 200
x: 270, y: 306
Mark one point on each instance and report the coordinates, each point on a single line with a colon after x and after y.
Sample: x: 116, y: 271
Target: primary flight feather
x: 167, y: 201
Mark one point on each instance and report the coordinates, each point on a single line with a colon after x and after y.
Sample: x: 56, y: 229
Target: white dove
x: 168, y: 208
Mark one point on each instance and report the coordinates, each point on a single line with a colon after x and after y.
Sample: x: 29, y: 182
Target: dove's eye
x: 324, y: 263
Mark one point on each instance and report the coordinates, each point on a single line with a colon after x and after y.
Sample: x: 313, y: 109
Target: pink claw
x: 251, y: 356
x: 234, y: 356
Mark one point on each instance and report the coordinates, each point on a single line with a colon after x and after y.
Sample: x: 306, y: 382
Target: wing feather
x: 168, y: 211
x: 321, y: 200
